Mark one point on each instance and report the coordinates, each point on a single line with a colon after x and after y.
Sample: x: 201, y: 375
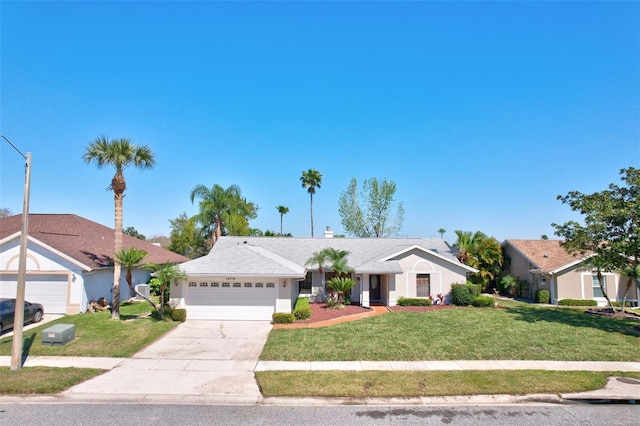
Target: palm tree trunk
x: 115, y: 296
x: 281, y: 223
x: 311, y: 214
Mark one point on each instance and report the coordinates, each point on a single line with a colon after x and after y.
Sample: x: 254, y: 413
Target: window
x: 423, y: 285
x: 270, y: 285
x: 225, y: 285
x: 204, y: 284
x: 192, y: 284
x: 215, y: 285
x: 304, y: 286
x: 236, y: 285
x: 597, y: 291
x: 247, y: 285
x: 259, y: 285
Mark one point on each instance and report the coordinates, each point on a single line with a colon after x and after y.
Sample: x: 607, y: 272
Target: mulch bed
x: 419, y: 308
x: 320, y: 312
x: 607, y: 312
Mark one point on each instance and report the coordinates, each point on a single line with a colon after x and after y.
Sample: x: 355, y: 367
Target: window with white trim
x: 423, y: 285
x: 204, y: 284
x: 597, y: 291
x: 215, y: 285
x: 192, y: 284
x: 226, y: 285
x: 259, y: 285
x: 248, y: 285
x: 304, y: 286
x: 270, y: 285
x: 236, y: 285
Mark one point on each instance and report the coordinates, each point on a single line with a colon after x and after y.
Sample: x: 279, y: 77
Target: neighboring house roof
x: 87, y: 242
x: 250, y: 255
x: 545, y: 255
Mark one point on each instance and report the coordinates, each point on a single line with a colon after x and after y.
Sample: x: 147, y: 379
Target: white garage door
x: 230, y: 300
x: 49, y: 290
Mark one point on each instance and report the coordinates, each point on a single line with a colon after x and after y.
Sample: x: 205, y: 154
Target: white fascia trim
x: 48, y: 248
x: 432, y: 253
x: 569, y: 265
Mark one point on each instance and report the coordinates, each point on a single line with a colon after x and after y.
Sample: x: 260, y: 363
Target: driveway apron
x: 195, y: 359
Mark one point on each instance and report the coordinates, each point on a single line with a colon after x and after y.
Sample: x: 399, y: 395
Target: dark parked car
x: 32, y: 313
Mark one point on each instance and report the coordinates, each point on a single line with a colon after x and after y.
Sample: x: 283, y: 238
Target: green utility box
x: 58, y: 335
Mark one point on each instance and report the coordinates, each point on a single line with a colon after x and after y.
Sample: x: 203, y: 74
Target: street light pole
x: 18, y: 319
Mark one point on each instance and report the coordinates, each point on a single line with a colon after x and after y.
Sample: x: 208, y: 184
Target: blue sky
x: 482, y: 113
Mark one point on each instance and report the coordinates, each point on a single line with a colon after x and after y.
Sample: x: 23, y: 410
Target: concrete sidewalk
x: 617, y: 389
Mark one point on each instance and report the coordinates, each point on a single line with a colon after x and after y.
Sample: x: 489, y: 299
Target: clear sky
x: 482, y: 113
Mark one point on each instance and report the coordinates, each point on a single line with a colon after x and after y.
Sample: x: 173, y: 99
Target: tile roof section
x: 547, y: 255
x: 84, y: 240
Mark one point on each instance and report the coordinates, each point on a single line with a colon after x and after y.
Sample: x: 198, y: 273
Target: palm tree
x: 282, y: 210
x: 311, y: 179
x: 129, y: 258
x: 165, y: 272
x: 224, y: 210
x: 467, y: 243
x: 318, y: 258
x: 119, y: 153
x: 441, y: 231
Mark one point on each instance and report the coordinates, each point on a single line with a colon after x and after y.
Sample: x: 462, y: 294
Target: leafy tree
x: 118, y: 153
x: 4, y: 212
x: 611, y: 229
x: 441, y: 231
x: 282, y: 210
x: 165, y: 272
x: 372, y: 212
x: 311, y: 179
x: 224, y: 211
x: 131, y: 231
x: 129, y: 258
x: 187, y: 238
x: 481, y: 252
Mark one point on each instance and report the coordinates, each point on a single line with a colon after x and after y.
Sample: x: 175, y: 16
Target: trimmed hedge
x: 627, y: 304
x: 463, y: 294
x: 413, y: 301
x: 179, y: 315
x: 282, y: 318
x: 577, y: 302
x: 542, y: 296
x: 483, y: 302
x: 302, y: 310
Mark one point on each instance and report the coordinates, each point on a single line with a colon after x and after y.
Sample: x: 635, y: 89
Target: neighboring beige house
x: 253, y: 277
x: 69, y: 261
x: 545, y: 264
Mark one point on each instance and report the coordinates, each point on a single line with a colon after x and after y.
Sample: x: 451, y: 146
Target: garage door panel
x: 230, y: 303
x: 49, y: 290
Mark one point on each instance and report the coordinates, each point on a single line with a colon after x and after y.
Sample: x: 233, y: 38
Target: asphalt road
x: 167, y: 414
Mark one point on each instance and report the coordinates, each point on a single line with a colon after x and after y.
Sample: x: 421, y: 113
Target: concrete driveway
x: 197, y: 359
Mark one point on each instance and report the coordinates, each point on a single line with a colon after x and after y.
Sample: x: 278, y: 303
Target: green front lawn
x: 517, y: 331
x: 97, y: 334
x: 43, y: 380
x: 406, y: 384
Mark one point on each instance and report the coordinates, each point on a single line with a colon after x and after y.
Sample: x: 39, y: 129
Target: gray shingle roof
x: 273, y: 255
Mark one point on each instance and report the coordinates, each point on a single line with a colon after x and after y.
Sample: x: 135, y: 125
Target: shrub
x: 483, y: 302
x: 627, y: 304
x: 302, y: 310
x: 577, y: 302
x: 154, y: 286
x: 179, y: 315
x: 462, y: 294
x: 542, y: 296
x: 282, y: 318
x: 413, y: 301
x: 507, y: 285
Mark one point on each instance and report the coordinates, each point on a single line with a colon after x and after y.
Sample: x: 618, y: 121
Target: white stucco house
x: 69, y: 261
x: 250, y: 278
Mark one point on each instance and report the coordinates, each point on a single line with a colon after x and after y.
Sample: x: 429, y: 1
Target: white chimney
x: 328, y: 233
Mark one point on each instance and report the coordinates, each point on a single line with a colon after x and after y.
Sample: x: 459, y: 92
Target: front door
x: 374, y: 288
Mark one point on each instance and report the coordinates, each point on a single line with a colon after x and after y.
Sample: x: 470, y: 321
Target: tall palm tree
x: 165, y: 272
x: 282, y: 210
x: 224, y: 209
x: 441, y: 231
x: 129, y: 258
x: 119, y: 153
x: 311, y: 179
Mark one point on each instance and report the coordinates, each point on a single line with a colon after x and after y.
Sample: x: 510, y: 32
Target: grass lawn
x: 405, y: 384
x: 517, y: 331
x: 42, y: 380
x: 98, y: 335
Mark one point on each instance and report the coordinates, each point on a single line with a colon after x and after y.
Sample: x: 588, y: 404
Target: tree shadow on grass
x: 26, y: 347
x: 574, y: 318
